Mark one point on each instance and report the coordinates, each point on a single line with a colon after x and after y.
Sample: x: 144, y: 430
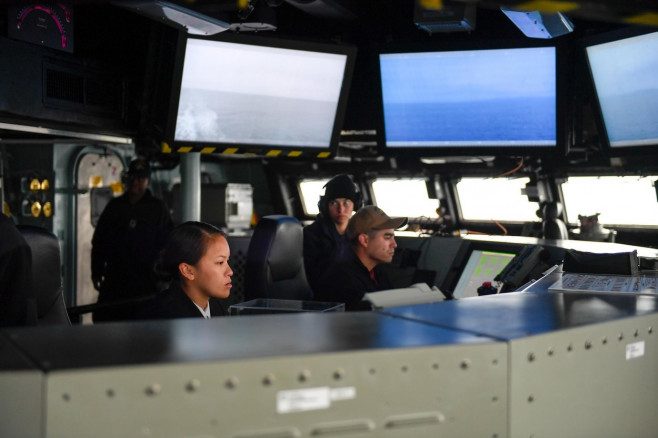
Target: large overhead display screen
x: 470, y: 98
x: 248, y: 94
x: 625, y: 76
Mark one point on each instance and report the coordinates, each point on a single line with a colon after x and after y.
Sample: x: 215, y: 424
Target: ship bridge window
x: 404, y: 197
x: 310, y: 191
x: 620, y: 200
x: 499, y: 199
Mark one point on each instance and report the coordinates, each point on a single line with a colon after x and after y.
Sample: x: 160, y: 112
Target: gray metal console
x: 533, y: 363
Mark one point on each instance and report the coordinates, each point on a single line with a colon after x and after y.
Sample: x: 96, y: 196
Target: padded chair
x: 46, y: 275
x: 275, y: 261
x: 552, y: 226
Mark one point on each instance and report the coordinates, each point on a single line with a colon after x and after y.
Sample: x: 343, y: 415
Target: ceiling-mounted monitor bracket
x: 177, y: 16
x: 535, y: 24
x: 449, y: 16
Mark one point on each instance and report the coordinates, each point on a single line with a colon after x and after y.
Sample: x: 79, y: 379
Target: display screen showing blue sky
x: 625, y: 75
x: 502, y: 97
x: 257, y: 95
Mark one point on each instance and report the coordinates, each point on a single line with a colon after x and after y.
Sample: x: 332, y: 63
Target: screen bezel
x: 608, y: 37
x: 560, y: 149
x: 170, y: 144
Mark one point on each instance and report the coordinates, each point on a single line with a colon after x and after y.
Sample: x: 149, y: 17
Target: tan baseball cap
x: 370, y: 218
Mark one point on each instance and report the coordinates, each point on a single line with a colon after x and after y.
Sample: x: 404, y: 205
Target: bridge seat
x: 275, y: 261
x: 46, y: 275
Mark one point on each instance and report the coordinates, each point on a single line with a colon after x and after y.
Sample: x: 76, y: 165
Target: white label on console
x: 634, y: 350
x: 299, y: 400
x: 346, y: 393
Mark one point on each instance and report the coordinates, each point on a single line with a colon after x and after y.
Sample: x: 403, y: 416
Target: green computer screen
x: 481, y: 266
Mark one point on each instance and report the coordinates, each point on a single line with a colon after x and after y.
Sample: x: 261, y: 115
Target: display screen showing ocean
x: 478, y: 98
x: 632, y: 119
x: 523, y: 121
x: 626, y: 83
x: 233, y: 118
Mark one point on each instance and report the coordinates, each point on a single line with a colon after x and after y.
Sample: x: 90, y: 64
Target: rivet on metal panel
x: 570, y: 347
x: 153, y: 389
x: 650, y: 330
x: 435, y: 366
x: 339, y: 374
x: 110, y: 393
x: 304, y: 375
x: 465, y: 364
x: 232, y: 383
x: 637, y: 333
x: 372, y: 371
x: 620, y: 336
x: 66, y: 397
x: 588, y: 345
x: 551, y: 351
x: 494, y: 362
x: 268, y: 379
x: 193, y: 385
x: 404, y: 368
x: 531, y: 357
x: 531, y: 398
x: 604, y: 340
x: 494, y: 399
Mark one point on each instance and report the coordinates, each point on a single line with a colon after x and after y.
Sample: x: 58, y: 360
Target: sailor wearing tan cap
x: 371, y: 234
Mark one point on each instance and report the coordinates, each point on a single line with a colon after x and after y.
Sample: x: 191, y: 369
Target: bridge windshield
x: 404, y: 197
x: 495, y: 199
x: 310, y: 191
x: 620, y: 200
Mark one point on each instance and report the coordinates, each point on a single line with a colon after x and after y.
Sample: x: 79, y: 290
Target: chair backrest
x: 275, y: 260
x: 46, y: 275
x: 553, y: 226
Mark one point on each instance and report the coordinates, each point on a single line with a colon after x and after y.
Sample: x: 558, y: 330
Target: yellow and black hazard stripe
x: 292, y: 153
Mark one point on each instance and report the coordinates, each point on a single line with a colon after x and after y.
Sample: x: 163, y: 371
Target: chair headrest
x: 286, y: 254
x: 275, y: 258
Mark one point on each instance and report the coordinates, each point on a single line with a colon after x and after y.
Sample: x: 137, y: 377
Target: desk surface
x: 11, y: 358
x: 198, y: 340
x: 479, y: 320
x: 532, y: 311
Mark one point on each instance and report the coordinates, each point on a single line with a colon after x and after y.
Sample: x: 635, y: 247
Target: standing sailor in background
x: 129, y: 235
x: 324, y: 239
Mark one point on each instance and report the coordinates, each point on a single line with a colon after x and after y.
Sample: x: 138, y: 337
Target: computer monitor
x: 487, y: 101
x: 226, y: 205
x: 623, y: 70
x: 481, y: 266
x: 267, y: 96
